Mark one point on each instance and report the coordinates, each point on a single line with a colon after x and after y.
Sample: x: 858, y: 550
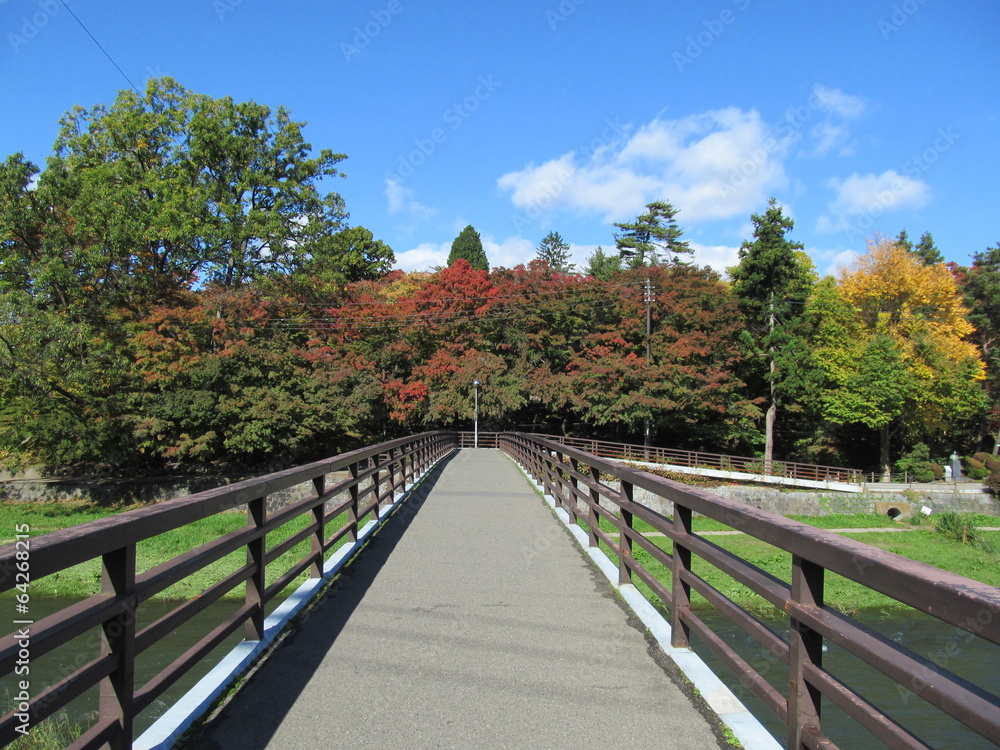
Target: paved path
x: 471, y: 621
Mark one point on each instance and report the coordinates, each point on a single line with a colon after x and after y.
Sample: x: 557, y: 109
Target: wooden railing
x: 580, y: 483
x: 369, y: 479
x: 715, y: 461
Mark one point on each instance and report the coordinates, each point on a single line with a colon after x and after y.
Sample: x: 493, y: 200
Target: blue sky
x: 521, y: 117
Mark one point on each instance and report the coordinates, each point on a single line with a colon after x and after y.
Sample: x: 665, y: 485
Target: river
x: 966, y: 655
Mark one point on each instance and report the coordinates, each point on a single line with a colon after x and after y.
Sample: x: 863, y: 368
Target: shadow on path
x: 275, y: 685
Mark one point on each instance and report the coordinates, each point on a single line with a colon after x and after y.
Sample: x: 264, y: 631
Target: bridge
x: 466, y: 618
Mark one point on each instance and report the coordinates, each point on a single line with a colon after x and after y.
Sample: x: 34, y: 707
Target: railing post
x: 253, y: 629
x: 805, y: 646
x: 574, y: 487
x: 593, y: 517
x: 680, y: 632
x: 118, y: 639
x: 352, y: 510
x: 624, y: 540
x: 318, y: 538
x: 377, y: 485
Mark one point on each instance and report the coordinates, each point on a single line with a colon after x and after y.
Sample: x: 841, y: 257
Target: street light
x: 475, y: 415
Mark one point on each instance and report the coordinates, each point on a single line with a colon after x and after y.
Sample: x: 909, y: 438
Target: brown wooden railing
x: 374, y: 476
x: 580, y: 482
x: 716, y: 461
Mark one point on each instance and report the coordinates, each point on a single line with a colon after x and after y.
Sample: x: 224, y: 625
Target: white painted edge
x: 741, y: 722
x: 748, y: 477
x: 166, y: 730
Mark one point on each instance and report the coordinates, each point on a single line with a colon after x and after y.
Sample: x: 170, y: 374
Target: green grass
x: 85, y: 579
x: 922, y: 544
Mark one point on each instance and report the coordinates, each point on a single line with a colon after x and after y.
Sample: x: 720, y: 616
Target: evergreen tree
x: 903, y: 240
x: 771, y: 284
x: 927, y: 251
x: 554, y: 251
x: 469, y: 245
x: 602, y: 267
x: 981, y: 287
x: 653, y: 232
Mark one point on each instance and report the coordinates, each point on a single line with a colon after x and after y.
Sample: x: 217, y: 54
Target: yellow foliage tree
x: 893, y: 343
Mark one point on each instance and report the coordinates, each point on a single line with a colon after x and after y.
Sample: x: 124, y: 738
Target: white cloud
x: 513, y: 251
x: 401, y: 200
x: 424, y: 256
x: 719, y: 257
x: 831, y: 262
x: 833, y: 132
x: 861, y: 198
x: 837, y: 102
x: 714, y: 165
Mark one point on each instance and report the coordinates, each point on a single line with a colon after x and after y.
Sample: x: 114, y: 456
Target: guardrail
x: 374, y: 476
x: 573, y: 478
x: 715, y: 461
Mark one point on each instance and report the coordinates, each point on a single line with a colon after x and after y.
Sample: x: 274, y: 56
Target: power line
x: 101, y: 48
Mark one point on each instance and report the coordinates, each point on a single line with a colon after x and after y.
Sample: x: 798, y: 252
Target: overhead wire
x: 100, y: 47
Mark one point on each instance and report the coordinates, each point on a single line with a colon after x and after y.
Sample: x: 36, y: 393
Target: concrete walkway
x: 470, y: 621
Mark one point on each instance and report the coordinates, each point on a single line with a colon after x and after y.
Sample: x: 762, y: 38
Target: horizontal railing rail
x: 579, y: 480
x: 363, y: 482
x: 713, y: 461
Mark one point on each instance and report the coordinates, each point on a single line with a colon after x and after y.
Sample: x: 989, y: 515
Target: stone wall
x: 795, y: 503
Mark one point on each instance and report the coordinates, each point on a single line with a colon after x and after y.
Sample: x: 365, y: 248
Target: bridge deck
x: 471, y: 620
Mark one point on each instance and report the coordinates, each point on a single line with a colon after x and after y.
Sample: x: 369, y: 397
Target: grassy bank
x: 921, y: 542
x: 85, y: 579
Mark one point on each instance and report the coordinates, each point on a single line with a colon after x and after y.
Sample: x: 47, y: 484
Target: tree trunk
x: 885, y: 439
x: 772, y: 407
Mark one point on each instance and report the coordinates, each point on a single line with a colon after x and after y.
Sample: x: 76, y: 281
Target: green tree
x: 352, y: 254
x: 554, y: 251
x: 771, y: 285
x: 655, y: 232
x: 927, y: 251
x: 469, y: 246
x: 183, y: 185
x: 981, y: 286
x: 903, y: 240
x: 602, y: 267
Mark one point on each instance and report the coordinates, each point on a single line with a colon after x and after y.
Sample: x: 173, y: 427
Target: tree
x: 603, y: 267
x: 892, y: 342
x: 554, y: 251
x: 203, y: 186
x: 771, y: 285
x: 352, y: 254
x: 981, y: 286
x: 652, y: 233
x: 903, y: 240
x: 469, y: 246
x: 927, y: 251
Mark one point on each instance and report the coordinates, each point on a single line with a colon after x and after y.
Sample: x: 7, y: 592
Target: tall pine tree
x: 771, y: 284
x: 469, y: 245
x: 554, y: 251
x: 642, y: 241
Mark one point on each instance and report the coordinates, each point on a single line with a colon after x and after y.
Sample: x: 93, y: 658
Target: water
x: 968, y: 656
x: 52, y: 667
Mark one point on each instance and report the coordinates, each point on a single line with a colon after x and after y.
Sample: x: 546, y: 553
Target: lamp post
x: 475, y: 415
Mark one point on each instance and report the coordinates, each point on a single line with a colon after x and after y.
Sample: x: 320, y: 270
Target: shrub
x: 937, y: 470
x: 993, y: 484
x: 988, y: 460
x: 917, y: 464
x: 976, y: 474
x: 957, y: 526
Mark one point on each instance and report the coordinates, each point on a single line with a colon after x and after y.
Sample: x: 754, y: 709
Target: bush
x: 958, y: 526
x: 993, y: 484
x: 976, y: 474
x: 917, y: 465
x: 989, y: 461
x: 937, y: 470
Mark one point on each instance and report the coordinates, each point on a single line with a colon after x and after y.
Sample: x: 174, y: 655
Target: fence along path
x: 471, y: 620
